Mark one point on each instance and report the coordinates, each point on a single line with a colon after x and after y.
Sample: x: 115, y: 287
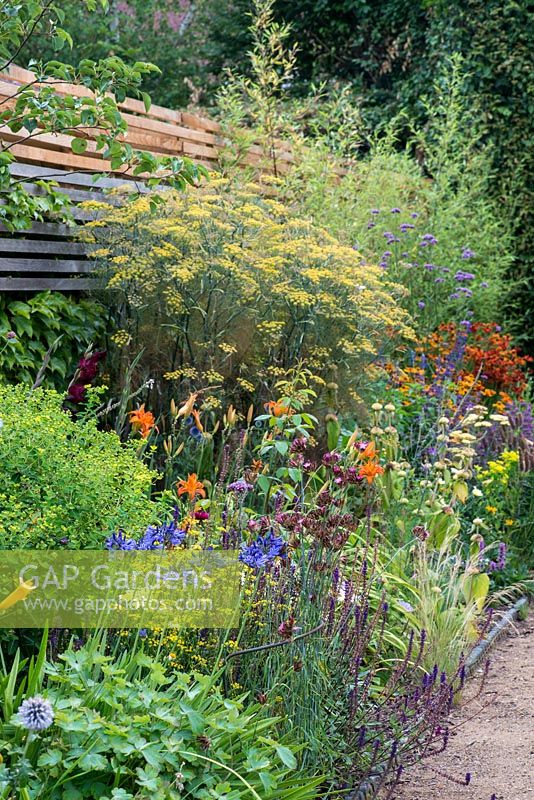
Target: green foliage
x: 371, y: 60
x: 257, y: 97
x: 387, y: 189
x: 47, y: 321
x: 123, y: 728
x: 65, y: 479
x: 38, y: 109
x: 191, y: 63
x: 374, y: 205
x: 390, y: 55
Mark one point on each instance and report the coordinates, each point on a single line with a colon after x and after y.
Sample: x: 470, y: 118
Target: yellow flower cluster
x: 498, y: 471
x: 225, y: 269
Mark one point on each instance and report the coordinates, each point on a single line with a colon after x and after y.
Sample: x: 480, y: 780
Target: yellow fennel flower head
x: 231, y: 259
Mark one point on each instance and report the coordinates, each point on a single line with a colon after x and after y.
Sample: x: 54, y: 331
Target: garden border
x: 367, y: 789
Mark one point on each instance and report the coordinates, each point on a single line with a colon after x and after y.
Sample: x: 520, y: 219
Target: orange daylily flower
x: 276, y: 409
x: 370, y: 470
x: 187, y: 408
x: 191, y: 487
x: 142, y: 421
x: 20, y: 593
x: 196, y: 417
x: 369, y: 452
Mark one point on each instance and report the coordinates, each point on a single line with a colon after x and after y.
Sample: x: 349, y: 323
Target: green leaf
x: 264, y: 482
x: 50, y: 759
x: 269, y: 783
x: 78, y: 145
x: 282, y: 447
x: 22, y: 325
x: 94, y: 761
x: 146, y: 101
x: 72, y: 793
x: 19, y: 308
x: 196, y: 720
x: 286, y: 756
x: 64, y: 36
x: 121, y: 794
x: 256, y: 760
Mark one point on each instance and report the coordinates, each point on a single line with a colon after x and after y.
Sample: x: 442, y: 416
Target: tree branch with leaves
x: 45, y: 106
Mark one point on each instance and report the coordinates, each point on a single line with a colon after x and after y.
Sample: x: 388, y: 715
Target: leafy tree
x: 37, y: 108
x: 192, y: 43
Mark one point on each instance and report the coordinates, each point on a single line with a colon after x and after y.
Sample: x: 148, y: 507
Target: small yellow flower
x: 491, y: 509
x: 509, y: 522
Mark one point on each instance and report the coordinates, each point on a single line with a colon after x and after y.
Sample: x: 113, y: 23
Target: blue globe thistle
x: 36, y: 714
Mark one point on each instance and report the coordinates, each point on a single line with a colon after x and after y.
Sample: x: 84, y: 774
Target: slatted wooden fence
x: 47, y: 256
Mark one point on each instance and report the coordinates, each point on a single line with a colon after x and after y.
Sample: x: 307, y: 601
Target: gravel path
x: 497, y: 745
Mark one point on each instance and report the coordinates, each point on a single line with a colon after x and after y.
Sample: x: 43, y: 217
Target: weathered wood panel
x: 42, y: 246
x: 15, y: 265
x: 43, y: 284
x: 48, y: 251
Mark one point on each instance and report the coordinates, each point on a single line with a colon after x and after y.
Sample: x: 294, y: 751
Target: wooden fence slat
x: 52, y: 284
x: 200, y: 123
x: 44, y: 265
x: 76, y: 195
x: 31, y: 171
x: 199, y: 150
x: 169, y: 128
x: 54, y: 229
x: 49, y: 157
x: 10, y: 245
x: 61, y: 141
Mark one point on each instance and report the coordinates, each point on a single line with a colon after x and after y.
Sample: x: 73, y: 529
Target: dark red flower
x: 77, y: 392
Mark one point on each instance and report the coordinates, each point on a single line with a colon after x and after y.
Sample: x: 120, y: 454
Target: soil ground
x: 494, y: 735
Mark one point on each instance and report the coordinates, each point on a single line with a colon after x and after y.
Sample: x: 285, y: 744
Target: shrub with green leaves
x: 65, y: 480
x: 46, y: 321
x: 123, y: 729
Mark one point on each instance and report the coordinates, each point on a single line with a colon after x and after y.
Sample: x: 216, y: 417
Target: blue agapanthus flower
x: 262, y: 551
x: 119, y: 541
x: 156, y: 537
